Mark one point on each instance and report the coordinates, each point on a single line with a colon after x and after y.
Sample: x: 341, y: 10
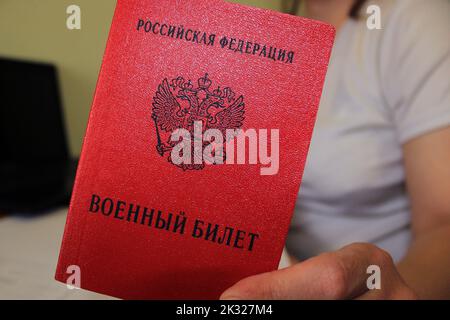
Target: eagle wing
x: 231, y: 117
x: 166, y: 109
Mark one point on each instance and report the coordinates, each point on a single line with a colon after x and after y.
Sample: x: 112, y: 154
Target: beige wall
x: 36, y: 30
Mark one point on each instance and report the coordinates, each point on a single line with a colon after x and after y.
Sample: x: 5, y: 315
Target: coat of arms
x: 179, y: 104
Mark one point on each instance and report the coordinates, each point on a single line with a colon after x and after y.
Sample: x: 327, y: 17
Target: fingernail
x: 229, y: 296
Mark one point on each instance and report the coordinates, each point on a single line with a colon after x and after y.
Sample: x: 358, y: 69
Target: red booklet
x: 195, y: 148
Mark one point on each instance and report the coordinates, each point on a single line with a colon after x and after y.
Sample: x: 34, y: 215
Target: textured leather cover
x: 118, y: 253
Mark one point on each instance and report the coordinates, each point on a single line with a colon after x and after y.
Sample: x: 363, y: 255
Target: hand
x: 336, y: 275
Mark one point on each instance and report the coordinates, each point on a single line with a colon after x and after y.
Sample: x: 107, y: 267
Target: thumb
x: 306, y: 280
x: 265, y: 286
x: 335, y: 275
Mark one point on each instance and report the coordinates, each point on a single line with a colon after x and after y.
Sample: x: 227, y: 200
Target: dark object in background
x: 36, y: 172
x: 292, y: 6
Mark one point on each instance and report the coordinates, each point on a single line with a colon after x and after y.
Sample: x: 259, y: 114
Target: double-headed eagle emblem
x: 179, y: 104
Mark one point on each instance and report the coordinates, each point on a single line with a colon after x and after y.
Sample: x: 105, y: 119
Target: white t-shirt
x: 383, y: 88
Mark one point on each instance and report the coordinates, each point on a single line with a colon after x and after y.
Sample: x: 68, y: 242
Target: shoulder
x: 415, y: 36
x: 416, y: 19
x: 414, y: 61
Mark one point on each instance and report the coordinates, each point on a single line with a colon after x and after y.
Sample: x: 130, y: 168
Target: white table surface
x: 29, y: 248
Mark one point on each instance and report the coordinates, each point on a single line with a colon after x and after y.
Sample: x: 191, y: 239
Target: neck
x: 334, y: 12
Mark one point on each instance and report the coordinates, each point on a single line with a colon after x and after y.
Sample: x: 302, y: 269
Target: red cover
x: 141, y: 226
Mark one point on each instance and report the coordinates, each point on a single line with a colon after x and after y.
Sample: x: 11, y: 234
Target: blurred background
x: 35, y: 30
x: 48, y: 75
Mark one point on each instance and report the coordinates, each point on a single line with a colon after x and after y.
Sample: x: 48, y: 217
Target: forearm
x: 426, y: 267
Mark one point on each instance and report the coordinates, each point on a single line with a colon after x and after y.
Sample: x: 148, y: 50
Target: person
x: 376, y: 187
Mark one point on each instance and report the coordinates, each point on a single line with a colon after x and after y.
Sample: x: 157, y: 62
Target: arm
x: 426, y: 268
x: 424, y: 272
